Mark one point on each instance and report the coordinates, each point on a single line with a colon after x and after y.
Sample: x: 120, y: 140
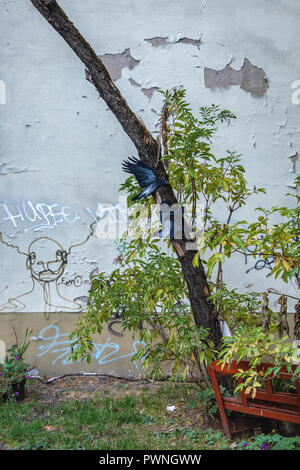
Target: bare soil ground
x: 83, y: 388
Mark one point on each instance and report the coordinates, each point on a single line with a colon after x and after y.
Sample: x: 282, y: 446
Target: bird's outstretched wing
x: 144, y: 174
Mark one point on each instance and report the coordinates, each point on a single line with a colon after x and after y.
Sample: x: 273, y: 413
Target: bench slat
x: 264, y: 412
x: 266, y: 403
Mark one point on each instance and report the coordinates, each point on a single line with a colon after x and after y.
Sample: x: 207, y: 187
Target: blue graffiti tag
x: 61, y: 344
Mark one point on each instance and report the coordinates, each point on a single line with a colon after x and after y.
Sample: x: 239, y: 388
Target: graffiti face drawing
x: 46, y: 260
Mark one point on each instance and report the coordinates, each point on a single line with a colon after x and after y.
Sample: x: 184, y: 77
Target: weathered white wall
x: 61, y: 148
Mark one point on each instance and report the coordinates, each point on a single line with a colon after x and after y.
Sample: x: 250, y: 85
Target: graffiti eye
x: 32, y: 257
x: 61, y: 256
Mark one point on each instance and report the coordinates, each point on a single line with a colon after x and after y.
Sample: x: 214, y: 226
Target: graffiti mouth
x: 48, y: 275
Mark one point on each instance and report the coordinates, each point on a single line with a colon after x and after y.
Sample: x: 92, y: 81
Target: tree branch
x: 148, y: 150
x: 100, y: 77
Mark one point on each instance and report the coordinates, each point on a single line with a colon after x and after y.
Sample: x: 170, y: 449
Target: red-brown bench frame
x: 266, y: 403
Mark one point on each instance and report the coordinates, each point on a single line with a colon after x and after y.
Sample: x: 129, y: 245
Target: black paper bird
x: 146, y: 177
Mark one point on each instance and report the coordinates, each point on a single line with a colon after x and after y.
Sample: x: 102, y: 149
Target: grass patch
x: 135, y: 419
x: 132, y: 421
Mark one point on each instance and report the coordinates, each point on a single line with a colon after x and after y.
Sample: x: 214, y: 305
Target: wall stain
x: 161, y: 41
x: 250, y: 78
x: 294, y: 159
x: 147, y: 91
x: 115, y: 63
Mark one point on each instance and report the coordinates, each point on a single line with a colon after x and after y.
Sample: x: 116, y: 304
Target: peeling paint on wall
x: 115, y: 63
x: 6, y: 169
x: 161, y: 41
x: 249, y: 77
x: 294, y: 159
x: 222, y: 78
x: 193, y: 42
x: 134, y: 83
x: 157, y: 41
x: 147, y: 91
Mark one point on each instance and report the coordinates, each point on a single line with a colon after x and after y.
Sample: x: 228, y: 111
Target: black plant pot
x: 18, y: 390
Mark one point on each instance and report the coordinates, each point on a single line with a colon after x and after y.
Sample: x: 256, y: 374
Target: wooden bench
x: 266, y: 403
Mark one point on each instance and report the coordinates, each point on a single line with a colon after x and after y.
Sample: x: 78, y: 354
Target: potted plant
x: 14, y: 371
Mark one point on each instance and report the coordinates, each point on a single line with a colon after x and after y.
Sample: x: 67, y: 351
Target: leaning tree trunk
x: 148, y: 150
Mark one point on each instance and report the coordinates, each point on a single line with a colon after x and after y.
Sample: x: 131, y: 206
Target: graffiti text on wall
x: 39, y: 216
x: 31, y: 216
x: 59, y: 345
x: 261, y: 263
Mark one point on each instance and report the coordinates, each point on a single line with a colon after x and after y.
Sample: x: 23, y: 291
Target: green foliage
x: 14, y: 369
x: 207, y: 399
x: 281, y: 385
x: 205, y: 181
x: 257, y: 346
x: 212, y: 437
x: 250, y: 340
x: 148, y: 291
x: 238, y: 308
x: 279, y: 239
x: 270, y: 442
x: 189, y: 148
x: 220, y: 182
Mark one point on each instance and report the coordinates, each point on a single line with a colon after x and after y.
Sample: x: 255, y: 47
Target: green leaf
x: 195, y: 261
x: 238, y: 241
